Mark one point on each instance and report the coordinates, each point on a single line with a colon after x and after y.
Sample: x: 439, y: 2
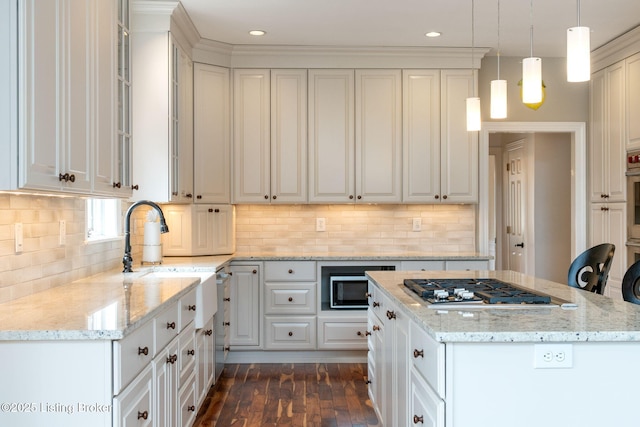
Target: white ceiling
x: 403, y: 23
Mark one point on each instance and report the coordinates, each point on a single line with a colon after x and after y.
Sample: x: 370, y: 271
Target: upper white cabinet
x: 331, y: 136
x: 270, y: 137
x: 62, y: 100
x: 212, y: 134
x: 355, y: 136
x: 633, y: 101
x: 608, y: 140
x: 162, y: 110
x: 440, y: 155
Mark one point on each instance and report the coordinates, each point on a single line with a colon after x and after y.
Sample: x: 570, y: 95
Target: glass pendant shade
x: 498, y: 99
x: 473, y: 114
x: 531, y: 80
x: 578, y: 54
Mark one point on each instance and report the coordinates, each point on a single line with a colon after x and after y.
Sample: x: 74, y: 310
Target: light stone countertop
x: 107, y: 306
x: 596, y: 318
x: 111, y: 305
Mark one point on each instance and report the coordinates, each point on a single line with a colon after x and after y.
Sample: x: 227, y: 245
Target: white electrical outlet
x: 553, y: 356
x: 416, y: 224
x: 19, y: 237
x: 321, y: 224
x: 63, y: 232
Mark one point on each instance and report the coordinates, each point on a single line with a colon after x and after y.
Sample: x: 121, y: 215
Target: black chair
x: 590, y: 269
x: 631, y: 284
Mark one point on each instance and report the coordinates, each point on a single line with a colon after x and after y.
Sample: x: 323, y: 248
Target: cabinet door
x: 421, y: 136
x: 633, y: 101
x: 378, y: 136
x: 181, y: 126
x: 251, y: 146
x: 42, y: 98
x: 459, y: 148
x: 615, y: 133
x: 212, y: 134
x: 245, y: 310
x: 134, y: 406
x: 223, y: 229
x: 165, y: 371
x: 105, y: 162
x: 205, y: 342
x: 597, y: 150
x: 331, y: 136
x: 608, y: 225
x: 288, y: 136
x: 202, y: 230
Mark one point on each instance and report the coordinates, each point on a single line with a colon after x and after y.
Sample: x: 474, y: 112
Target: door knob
x: 520, y: 245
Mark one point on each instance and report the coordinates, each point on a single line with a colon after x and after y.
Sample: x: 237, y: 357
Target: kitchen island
x: 497, y: 367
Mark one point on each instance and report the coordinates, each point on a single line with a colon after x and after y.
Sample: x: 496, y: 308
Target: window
x: 103, y: 219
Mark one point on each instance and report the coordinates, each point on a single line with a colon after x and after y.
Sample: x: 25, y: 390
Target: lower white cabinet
x: 205, y: 350
x: 426, y: 265
x: 134, y: 406
x: 187, y: 402
x: 342, y: 332
x: 165, y: 374
x: 425, y: 407
x: 245, y: 308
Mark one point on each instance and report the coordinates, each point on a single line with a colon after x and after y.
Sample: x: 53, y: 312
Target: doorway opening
x: 575, y: 136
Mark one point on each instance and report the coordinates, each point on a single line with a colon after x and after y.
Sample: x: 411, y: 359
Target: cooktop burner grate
x: 489, y: 291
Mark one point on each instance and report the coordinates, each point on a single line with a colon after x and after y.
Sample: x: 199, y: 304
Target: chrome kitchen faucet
x: 164, y: 228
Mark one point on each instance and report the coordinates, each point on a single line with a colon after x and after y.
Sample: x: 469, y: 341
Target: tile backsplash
x: 355, y: 228
x: 44, y: 263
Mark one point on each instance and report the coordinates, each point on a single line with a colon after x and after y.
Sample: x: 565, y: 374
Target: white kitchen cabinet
x: 134, y: 406
x: 608, y: 225
x: 199, y: 230
x: 431, y: 265
x: 187, y: 408
x: 331, y: 136
x: 251, y: 136
x: 245, y: 309
x: 205, y: 350
x: 270, y: 138
x: 440, y: 156
x: 355, y: 136
x: 425, y: 407
x: 162, y: 112
x: 608, y: 141
x: 61, y: 62
x: 343, y: 332
x: 212, y: 134
x: 378, y: 165
x: 632, y: 96
x: 165, y: 373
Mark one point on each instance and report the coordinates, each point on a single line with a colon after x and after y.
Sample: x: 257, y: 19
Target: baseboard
x: 343, y: 356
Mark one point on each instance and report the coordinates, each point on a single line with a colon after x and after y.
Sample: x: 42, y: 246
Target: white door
x: 515, y: 202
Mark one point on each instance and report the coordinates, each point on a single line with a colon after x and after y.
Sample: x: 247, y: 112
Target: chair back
x: 590, y: 270
x: 631, y: 284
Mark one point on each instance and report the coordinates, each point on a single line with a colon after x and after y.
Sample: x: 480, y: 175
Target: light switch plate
x: 416, y: 224
x: 321, y: 224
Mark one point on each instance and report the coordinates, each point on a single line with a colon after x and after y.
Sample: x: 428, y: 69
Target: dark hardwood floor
x: 297, y: 395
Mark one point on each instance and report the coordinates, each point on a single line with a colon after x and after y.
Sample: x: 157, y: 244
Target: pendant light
x: 531, y: 72
x: 473, y: 103
x: 498, y: 87
x: 578, y: 52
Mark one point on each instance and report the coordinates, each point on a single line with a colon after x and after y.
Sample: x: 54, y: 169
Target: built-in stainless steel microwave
x: 349, y: 291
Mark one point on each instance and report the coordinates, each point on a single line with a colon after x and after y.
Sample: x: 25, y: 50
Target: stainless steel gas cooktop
x: 471, y: 293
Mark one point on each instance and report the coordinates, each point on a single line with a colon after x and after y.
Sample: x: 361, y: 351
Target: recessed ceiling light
x: 433, y: 34
x: 257, y: 32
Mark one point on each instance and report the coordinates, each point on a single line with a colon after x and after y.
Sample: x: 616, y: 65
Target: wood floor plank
x: 297, y: 395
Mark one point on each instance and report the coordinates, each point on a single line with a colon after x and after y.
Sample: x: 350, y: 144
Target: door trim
x: 578, y: 177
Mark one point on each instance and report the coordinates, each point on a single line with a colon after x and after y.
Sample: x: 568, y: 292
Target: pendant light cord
x: 499, y: 40
x: 578, y: 13
x: 473, y: 44
x: 531, y: 30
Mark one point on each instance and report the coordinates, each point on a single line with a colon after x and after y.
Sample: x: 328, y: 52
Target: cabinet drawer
x: 467, y: 265
x: 134, y: 406
x: 187, y: 309
x: 342, y: 334
x: 290, y: 270
x: 187, y: 354
x: 377, y: 302
x: 425, y: 407
x: 427, y: 356
x: 166, y: 327
x: 131, y: 355
x: 285, y: 298
x: 287, y: 333
x: 422, y: 265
